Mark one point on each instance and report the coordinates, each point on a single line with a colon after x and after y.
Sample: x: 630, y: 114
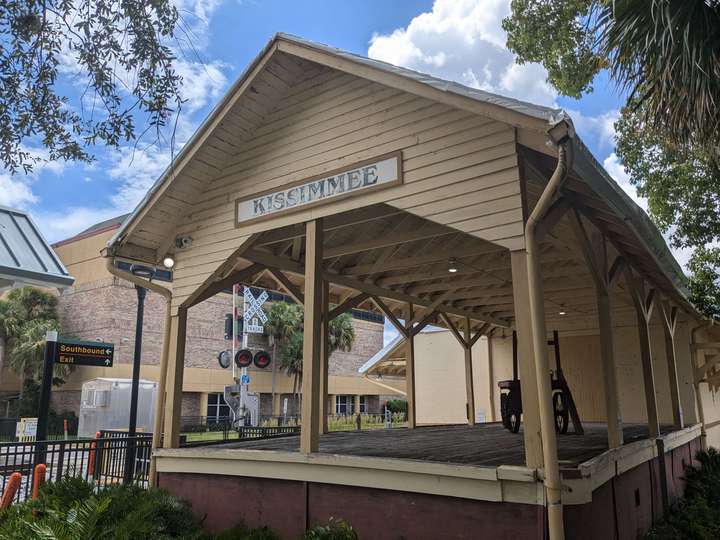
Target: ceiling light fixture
x: 452, y: 265
x: 562, y: 311
x: 168, y: 262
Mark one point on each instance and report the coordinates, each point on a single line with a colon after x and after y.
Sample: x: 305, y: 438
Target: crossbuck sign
x: 253, y: 313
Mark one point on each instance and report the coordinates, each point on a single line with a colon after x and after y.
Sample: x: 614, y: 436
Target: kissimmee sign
x: 381, y: 172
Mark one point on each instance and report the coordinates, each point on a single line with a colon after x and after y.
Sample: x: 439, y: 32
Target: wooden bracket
x: 348, y: 304
x: 382, y: 306
x: 455, y: 332
x: 288, y: 285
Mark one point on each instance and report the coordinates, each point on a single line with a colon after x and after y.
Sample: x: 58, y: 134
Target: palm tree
x: 292, y: 361
x: 283, y: 321
x: 26, y: 315
x: 341, y: 333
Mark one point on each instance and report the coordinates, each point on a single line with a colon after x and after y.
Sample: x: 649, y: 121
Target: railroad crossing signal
x: 253, y: 312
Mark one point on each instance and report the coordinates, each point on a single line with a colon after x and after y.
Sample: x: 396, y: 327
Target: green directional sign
x: 84, y: 353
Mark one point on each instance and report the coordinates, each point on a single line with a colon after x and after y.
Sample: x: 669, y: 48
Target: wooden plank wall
x: 459, y: 169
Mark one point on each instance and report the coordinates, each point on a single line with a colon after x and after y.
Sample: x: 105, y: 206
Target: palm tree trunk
x: 274, y: 370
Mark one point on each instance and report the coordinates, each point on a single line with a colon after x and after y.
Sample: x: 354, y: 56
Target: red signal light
x: 243, y: 358
x: 262, y: 359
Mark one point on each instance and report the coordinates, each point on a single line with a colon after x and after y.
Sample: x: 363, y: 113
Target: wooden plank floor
x: 483, y: 444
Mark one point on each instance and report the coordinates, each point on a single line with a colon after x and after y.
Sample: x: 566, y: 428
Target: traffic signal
x: 262, y: 359
x: 243, y: 358
x: 224, y: 359
x: 229, y: 325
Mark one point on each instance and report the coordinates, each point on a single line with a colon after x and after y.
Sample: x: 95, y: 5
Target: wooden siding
x: 459, y: 169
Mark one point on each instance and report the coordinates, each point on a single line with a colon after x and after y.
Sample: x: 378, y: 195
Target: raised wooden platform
x: 483, y: 444
x: 454, y: 482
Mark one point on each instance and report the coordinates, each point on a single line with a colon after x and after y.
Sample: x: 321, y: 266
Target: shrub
x: 397, y: 406
x: 697, y: 515
x: 335, y: 529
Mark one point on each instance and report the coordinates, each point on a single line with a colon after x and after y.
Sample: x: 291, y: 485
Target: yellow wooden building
x: 349, y: 182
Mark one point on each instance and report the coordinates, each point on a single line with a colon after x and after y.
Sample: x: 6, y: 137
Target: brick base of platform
x: 623, y: 508
x: 290, y: 506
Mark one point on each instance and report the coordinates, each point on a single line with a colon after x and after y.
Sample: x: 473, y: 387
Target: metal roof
x: 25, y: 257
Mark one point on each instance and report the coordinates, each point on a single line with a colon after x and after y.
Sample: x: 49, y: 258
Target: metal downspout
x: 696, y: 383
x: 162, y: 378
x: 552, y: 481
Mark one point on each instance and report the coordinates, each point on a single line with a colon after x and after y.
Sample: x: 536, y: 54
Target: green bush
x: 336, y: 529
x: 697, y: 515
x: 397, y: 406
x: 75, y: 510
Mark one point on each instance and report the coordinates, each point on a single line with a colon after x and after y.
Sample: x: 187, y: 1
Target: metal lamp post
x: 146, y: 272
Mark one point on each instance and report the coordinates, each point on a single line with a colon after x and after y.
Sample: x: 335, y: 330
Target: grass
x: 335, y: 423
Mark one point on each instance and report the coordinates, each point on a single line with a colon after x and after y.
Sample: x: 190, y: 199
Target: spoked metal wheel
x: 562, y: 415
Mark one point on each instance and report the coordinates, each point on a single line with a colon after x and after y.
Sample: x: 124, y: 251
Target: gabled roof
x: 523, y: 115
x: 544, y: 117
x: 25, y: 257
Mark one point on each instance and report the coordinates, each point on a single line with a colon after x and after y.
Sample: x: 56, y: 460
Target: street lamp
x: 147, y: 273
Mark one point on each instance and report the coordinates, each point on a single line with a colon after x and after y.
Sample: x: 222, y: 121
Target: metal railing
x: 101, y: 460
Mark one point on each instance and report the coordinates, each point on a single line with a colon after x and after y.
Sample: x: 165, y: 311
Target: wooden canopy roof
x: 380, y: 250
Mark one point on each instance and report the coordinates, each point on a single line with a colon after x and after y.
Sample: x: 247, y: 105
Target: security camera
x: 182, y: 242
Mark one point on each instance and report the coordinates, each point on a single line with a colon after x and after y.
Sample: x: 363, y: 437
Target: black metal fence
x: 229, y: 433
x: 101, y: 460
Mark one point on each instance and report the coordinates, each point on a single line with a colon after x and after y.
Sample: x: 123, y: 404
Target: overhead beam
x: 414, y: 261
x: 382, y: 306
x: 387, y: 240
x: 286, y: 264
x: 227, y: 282
x: 347, y: 305
x: 288, y: 286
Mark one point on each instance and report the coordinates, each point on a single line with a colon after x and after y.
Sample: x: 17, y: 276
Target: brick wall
x: 191, y: 404
x: 105, y: 310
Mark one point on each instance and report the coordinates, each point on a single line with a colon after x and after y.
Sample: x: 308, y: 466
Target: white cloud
x: 61, y: 225
x: 15, y: 192
x: 620, y: 175
x: 136, y: 170
x: 203, y: 83
x: 463, y: 40
x: 600, y: 128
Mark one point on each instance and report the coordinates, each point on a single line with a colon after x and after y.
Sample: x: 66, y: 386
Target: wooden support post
x: 310, y: 428
x: 324, y: 357
x: 644, y: 303
x: 604, y: 279
x: 176, y: 365
x: 670, y: 316
x: 491, y: 380
x: 410, y: 372
x: 356, y: 403
x: 613, y: 411
x: 528, y: 376
x: 469, y: 390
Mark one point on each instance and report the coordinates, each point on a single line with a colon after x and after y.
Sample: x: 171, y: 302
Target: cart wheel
x: 514, y: 421
x: 562, y: 415
x: 505, y: 410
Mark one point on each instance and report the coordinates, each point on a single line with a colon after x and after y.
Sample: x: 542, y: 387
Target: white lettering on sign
x: 383, y: 172
x: 253, y: 312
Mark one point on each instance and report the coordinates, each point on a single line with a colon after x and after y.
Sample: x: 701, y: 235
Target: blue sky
x: 455, y: 39
x: 460, y: 40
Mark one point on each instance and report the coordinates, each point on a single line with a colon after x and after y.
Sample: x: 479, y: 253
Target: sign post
x: 68, y: 352
x: 51, y: 351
